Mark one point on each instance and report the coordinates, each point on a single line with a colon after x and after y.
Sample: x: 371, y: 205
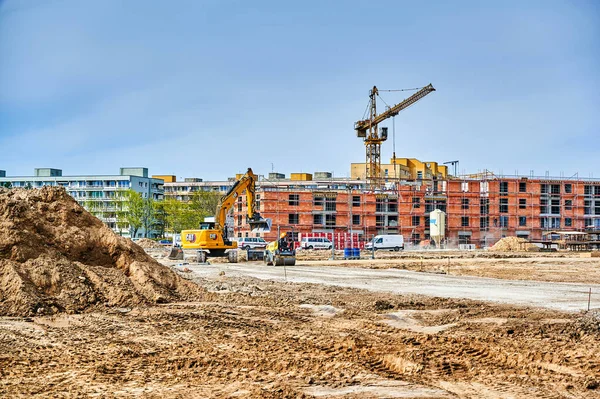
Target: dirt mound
x: 55, y: 257
x: 513, y: 244
x: 148, y: 243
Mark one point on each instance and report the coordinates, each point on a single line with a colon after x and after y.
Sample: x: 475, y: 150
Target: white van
x: 386, y: 241
x: 251, y: 242
x: 315, y: 243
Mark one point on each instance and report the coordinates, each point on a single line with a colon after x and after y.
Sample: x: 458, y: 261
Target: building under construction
x: 480, y: 209
x: 397, y: 198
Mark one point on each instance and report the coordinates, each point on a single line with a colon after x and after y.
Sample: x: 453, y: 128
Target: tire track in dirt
x: 261, y: 343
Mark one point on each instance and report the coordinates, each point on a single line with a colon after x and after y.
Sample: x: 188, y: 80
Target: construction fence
x: 339, y: 240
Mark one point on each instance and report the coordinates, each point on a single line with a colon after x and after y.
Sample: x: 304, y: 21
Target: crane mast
x: 368, y: 129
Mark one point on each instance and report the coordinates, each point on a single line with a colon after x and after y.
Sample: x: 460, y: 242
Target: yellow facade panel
x: 301, y: 176
x: 166, y: 178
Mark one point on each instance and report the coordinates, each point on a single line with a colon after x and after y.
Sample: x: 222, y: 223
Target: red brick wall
x: 275, y: 205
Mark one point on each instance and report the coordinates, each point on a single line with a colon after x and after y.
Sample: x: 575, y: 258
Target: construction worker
x: 282, y: 241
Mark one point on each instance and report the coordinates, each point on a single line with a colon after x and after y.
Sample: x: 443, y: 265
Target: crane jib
x: 368, y: 130
x: 393, y: 111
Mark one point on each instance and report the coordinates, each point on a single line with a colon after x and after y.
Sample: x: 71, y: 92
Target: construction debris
x: 514, y: 244
x: 56, y: 257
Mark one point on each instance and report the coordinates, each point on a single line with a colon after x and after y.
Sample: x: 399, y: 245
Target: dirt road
x: 553, y: 267
x: 561, y: 296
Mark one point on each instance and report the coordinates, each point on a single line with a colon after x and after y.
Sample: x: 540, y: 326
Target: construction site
x: 87, y: 313
x: 480, y: 210
x: 398, y: 198
x: 402, y: 281
x: 299, y: 200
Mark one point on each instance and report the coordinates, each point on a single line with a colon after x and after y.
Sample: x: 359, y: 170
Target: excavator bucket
x: 260, y: 225
x: 176, y: 254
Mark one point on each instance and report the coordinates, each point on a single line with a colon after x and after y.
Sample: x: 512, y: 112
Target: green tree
x: 133, y: 205
x: 172, y: 216
x: 160, y: 223
x: 6, y: 184
x: 203, y: 204
x: 94, y: 207
x: 148, y: 214
x: 175, y: 215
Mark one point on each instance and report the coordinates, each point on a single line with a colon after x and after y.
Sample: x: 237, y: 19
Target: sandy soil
x: 572, y: 270
x: 264, y: 339
x: 556, y: 267
x: 56, y: 257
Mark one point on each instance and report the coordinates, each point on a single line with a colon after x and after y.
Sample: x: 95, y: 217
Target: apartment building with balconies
x: 100, y: 194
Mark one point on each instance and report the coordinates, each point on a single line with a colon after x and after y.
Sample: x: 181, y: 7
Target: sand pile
x: 513, y: 244
x: 55, y: 257
x: 147, y: 243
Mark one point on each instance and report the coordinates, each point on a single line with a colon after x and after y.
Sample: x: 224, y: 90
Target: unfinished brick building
x: 480, y: 209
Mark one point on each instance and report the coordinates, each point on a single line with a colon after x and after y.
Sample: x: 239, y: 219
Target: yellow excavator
x: 211, y: 239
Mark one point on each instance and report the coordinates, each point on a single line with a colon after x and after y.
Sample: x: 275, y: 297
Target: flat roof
x: 80, y: 177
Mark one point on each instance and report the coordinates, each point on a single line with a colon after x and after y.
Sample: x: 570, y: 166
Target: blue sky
x: 209, y: 88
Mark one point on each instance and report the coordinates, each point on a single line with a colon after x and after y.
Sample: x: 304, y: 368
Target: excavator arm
x: 245, y: 183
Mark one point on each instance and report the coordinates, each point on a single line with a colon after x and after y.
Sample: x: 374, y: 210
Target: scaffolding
x: 574, y: 205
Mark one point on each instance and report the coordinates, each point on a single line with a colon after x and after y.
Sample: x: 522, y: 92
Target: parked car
x: 251, y: 242
x: 165, y: 242
x: 315, y: 243
x: 386, y: 241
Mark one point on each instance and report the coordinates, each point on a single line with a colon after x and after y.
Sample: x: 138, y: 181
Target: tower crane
x: 367, y: 129
x: 455, y: 164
